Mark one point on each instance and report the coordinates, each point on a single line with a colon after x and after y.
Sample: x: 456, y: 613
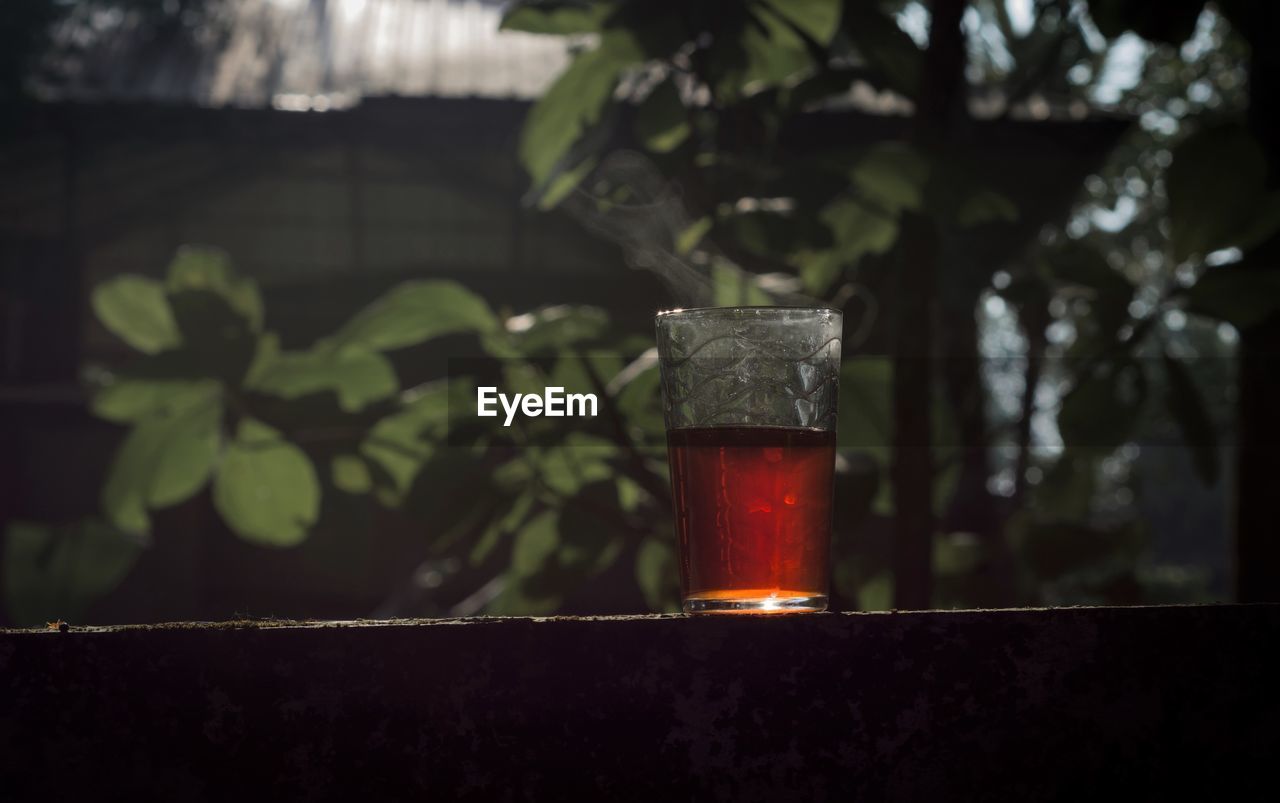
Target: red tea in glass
x: 749, y: 395
x: 753, y: 512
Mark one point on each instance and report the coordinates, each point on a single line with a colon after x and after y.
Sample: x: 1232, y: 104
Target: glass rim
x: 668, y: 313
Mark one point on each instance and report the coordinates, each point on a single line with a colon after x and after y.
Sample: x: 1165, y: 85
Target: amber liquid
x: 753, y: 511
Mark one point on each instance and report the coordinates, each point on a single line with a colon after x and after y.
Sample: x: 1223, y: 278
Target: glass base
x: 747, y: 602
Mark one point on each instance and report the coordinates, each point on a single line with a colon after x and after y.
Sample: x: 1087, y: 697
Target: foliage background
x: 1070, y: 199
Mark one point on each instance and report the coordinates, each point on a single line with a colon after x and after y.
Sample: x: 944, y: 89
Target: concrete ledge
x: 1003, y: 705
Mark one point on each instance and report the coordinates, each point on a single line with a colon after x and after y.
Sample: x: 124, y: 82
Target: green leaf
x: 692, y: 235
x: 818, y: 19
x: 415, y: 312
x: 136, y: 310
x: 264, y: 356
x: 399, y: 444
x: 163, y: 461
x: 769, y: 52
x: 662, y: 121
x: 203, y: 268
x: 888, y: 179
x: 508, y: 522
x: 858, y: 230
x: 1168, y: 21
x: 876, y: 594
x: 733, y: 287
x: 123, y: 495
x: 185, y: 460
x: 1054, y: 548
x: 589, y: 531
x: 1240, y: 293
x: 130, y: 400
x: 1217, y: 192
x: 768, y: 233
x: 630, y: 493
x: 515, y: 475
x: 535, y: 543
x: 574, y: 103
x: 565, y: 182
x: 819, y: 269
x: 1103, y: 407
x: 865, y: 415
x: 266, y: 488
x: 1084, y: 266
x: 175, y: 364
x: 488, y: 540
x: 455, y: 494
x: 956, y: 555
x: 573, y: 371
x: 865, y: 423
x: 857, y: 486
x: 1262, y: 223
x: 217, y: 340
x: 658, y: 575
x: 350, y: 473
x: 580, y: 460
x: 833, y: 81
x: 521, y: 376
x: 555, y: 17
x: 639, y: 402
x: 1187, y: 408
x: 358, y: 378
x: 892, y: 176
x: 550, y: 329
x: 58, y: 572
x: 524, y: 596
x: 888, y: 50
x: 1068, y: 486
x: 986, y: 206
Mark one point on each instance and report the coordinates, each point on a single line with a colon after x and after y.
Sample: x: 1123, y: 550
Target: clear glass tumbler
x: 749, y: 395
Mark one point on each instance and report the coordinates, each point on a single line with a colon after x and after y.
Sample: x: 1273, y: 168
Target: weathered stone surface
x: 997, y: 705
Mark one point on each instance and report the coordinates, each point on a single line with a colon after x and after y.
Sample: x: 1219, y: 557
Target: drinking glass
x: 749, y: 395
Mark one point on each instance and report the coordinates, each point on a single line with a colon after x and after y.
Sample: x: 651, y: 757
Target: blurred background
x: 255, y: 253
